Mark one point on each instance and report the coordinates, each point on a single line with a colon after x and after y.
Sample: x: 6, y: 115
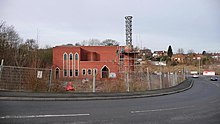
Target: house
x: 158, y: 63
x: 215, y: 56
x: 158, y: 54
x: 179, y: 58
x: 194, y: 57
x: 83, y: 61
x: 144, y: 54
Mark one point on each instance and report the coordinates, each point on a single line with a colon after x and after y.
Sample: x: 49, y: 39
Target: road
x: 198, y: 105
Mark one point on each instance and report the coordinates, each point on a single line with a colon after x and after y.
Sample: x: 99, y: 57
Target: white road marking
x: 159, y: 110
x: 215, y: 101
x: 41, y: 116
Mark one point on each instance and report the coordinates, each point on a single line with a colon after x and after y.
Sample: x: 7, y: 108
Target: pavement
x: 75, y: 96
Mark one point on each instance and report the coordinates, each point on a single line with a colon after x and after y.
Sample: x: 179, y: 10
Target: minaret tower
x: 128, y: 30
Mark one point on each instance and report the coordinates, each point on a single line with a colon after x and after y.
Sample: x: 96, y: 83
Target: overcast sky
x: 187, y: 24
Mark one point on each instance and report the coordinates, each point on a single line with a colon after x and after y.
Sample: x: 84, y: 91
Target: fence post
x: 168, y: 79
x: 127, y: 82
x: 93, y: 81
x: 1, y: 68
x: 184, y: 75
x: 50, y: 79
x: 161, y: 86
x: 175, y: 78
x: 148, y: 79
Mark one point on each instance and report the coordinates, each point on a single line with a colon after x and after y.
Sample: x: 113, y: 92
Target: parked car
x: 195, y: 76
x: 214, y: 78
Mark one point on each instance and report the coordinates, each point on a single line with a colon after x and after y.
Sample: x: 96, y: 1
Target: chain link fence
x: 25, y: 79
x: 44, y: 80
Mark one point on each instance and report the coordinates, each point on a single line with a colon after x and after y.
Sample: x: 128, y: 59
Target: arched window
x: 76, y: 56
x: 64, y: 56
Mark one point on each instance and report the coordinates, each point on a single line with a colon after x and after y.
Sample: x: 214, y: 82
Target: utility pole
x: 35, y: 51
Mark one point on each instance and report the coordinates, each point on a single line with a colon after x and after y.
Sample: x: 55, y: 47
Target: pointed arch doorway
x: 105, y: 72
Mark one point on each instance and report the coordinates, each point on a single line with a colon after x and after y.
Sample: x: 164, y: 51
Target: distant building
x: 158, y: 54
x: 187, y: 58
x: 192, y: 57
x: 179, y: 58
x: 215, y: 56
x: 81, y: 61
x: 158, y: 63
x: 144, y: 54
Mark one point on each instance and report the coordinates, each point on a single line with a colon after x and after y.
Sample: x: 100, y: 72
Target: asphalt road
x: 198, y: 105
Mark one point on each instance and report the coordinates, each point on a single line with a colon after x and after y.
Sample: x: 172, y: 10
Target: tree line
x: 18, y: 52
x: 97, y: 42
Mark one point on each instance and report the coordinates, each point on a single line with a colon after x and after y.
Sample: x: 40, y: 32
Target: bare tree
x: 109, y: 42
x: 9, y: 43
x: 77, y: 44
x: 191, y: 51
x: 94, y: 42
x: 180, y: 51
x: 31, y: 43
x: 12, y: 48
x: 84, y: 43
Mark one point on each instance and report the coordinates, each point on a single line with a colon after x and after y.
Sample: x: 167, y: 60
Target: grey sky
x: 187, y: 24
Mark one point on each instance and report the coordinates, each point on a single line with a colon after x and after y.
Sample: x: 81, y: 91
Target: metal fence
x: 142, y: 81
x: 25, y: 79
x: 44, y: 80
